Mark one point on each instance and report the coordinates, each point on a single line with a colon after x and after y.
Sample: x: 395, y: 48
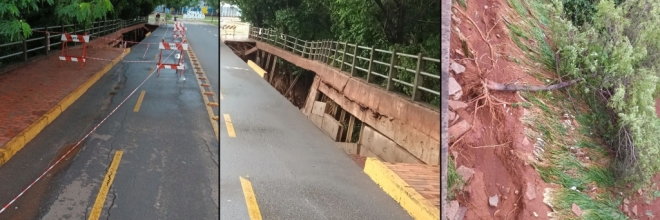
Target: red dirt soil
x: 495, y: 148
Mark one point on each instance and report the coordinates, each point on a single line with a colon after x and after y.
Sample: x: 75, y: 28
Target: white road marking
x: 235, y: 68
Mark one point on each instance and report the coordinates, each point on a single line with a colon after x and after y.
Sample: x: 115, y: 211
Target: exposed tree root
x: 512, y: 87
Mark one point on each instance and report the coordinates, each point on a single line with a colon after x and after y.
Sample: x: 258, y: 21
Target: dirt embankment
x: 487, y: 133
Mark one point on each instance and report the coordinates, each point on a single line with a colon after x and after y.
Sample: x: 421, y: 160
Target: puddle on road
x: 31, y: 205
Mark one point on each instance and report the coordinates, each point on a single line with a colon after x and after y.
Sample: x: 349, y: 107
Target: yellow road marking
x: 230, y: 126
x: 139, y: 102
x: 250, y: 199
x: 105, y: 186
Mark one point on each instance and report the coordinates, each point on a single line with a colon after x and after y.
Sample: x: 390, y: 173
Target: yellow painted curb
x: 205, y: 98
x: 147, y: 35
x: 256, y: 68
x: 409, y: 199
x: 19, y: 141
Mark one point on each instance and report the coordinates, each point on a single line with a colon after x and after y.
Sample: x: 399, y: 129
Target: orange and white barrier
x: 179, y: 30
x: 64, y: 56
x: 179, y: 64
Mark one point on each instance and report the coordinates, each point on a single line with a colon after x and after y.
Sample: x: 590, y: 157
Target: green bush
x: 614, y: 50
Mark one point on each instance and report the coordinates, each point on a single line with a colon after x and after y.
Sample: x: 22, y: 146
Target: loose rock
x: 576, y: 210
x: 452, y: 210
x: 459, y: 129
x: 492, y: 201
x: 466, y: 173
x: 634, y: 210
x: 455, y: 89
x: 457, y: 68
x: 530, y: 192
x: 456, y: 105
x: 452, y: 116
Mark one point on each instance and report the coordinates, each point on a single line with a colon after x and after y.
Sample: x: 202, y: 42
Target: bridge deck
x: 296, y: 170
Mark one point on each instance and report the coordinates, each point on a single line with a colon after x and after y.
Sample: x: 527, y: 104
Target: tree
x: 617, y: 44
x: 15, y: 13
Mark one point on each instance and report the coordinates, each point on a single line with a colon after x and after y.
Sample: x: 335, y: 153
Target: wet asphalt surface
x: 296, y: 170
x: 169, y: 169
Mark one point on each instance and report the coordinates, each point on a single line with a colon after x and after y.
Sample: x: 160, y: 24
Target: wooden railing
x: 344, y: 56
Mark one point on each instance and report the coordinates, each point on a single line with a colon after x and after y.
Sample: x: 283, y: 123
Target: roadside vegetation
x: 18, y: 17
x: 598, y: 136
x: 405, y: 26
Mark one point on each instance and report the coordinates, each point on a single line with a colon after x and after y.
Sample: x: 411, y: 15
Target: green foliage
x: 17, y: 16
x: 81, y: 11
x: 617, y: 46
x: 405, y: 26
x: 12, y: 23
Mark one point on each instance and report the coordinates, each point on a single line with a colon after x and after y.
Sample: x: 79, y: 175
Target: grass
x: 602, y: 208
x: 463, y: 3
x: 454, y: 180
x: 561, y: 166
x: 518, y: 6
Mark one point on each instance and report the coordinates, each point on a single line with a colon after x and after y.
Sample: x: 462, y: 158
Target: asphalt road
x: 204, y: 40
x: 296, y: 170
x: 169, y: 168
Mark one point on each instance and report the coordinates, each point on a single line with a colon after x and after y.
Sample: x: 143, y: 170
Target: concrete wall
x: 414, y: 127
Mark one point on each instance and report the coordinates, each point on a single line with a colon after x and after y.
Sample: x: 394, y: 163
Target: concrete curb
x: 409, y: 199
x: 19, y: 141
x: 256, y: 68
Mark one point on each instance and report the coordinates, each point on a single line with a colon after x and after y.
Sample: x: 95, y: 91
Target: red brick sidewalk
x: 28, y: 92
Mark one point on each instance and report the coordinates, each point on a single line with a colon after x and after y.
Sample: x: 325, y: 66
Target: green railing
x: 336, y: 54
x: 38, y: 44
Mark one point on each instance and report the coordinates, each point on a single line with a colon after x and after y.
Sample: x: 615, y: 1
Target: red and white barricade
x: 64, y: 56
x: 179, y: 30
x: 179, y: 64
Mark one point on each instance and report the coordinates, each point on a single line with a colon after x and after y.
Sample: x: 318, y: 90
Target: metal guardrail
x: 333, y: 53
x: 97, y: 29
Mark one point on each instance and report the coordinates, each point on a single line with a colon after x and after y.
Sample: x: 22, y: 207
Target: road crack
x: 121, y: 126
x: 114, y: 193
x: 208, y: 147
